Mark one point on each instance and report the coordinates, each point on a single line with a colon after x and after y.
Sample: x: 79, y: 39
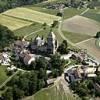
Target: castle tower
x: 51, y: 43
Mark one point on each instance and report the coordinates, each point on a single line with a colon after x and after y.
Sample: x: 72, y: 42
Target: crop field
x: 28, y: 29
x: 13, y: 23
x: 79, y: 24
x: 42, y: 9
x: 70, y: 12
x: 91, y: 48
x: 32, y: 15
x: 3, y: 75
x: 76, y: 37
x: 93, y: 14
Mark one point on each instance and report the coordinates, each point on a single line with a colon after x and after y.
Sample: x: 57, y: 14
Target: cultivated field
x: 32, y: 15
x: 92, y: 49
x: 93, y: 14
x: 76, y: 37
x: 13, y: 23
x: 79, y: 24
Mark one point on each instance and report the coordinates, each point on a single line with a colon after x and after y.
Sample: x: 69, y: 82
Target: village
x: 84, y: 67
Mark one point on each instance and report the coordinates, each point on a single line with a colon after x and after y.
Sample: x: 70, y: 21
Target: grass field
x: 28, y: 29
x: 42, y: 9
x: 80, y: 24
x: 91, y: 48
x: 45, y: 33
x: 3, y: 75
x: 32, y: 15
x: 51, y: 93
x: 70, y: 12
x: 13, y: 23
x: 93, y: 14
x: 76, y: 37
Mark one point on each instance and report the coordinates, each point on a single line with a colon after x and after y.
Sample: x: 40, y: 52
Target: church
x: 40, y: 45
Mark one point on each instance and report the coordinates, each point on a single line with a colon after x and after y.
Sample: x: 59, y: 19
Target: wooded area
x: 8, y: 4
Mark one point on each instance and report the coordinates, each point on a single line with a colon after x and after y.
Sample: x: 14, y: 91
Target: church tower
x: 52, y: 43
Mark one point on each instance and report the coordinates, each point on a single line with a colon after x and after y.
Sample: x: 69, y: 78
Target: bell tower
x: 51, y: 43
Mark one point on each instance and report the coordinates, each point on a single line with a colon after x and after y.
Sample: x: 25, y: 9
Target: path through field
x: 85, y: 11
x: 32, y: 33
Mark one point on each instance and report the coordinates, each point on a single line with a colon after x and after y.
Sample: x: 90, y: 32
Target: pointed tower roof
x: 52, y: 35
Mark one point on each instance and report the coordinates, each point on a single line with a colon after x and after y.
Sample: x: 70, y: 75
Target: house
x: 5, y: 58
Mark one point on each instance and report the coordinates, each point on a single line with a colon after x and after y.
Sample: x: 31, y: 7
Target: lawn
x: 32, y: 15
x: 3, y: 75
x: 13, y: 23
x: 76, y: 37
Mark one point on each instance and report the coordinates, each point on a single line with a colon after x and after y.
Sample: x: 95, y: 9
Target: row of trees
x: 8, y: 4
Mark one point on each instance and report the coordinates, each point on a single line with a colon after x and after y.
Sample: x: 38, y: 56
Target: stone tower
x: 52, y: 43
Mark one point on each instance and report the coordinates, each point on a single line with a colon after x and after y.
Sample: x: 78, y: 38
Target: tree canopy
x: 6, y: 36
x: 8, y: 4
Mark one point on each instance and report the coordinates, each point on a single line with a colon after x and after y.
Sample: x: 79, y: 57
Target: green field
x: 76, y: 37
x: 44, y: 33
x: 70, y: 12
x: 42, y: 9
x: 93, y: 14
x: 3, y: 75
x: 52, y: 93
x: 13, y: 23
x: 28, y: 29
x: 32, y: 15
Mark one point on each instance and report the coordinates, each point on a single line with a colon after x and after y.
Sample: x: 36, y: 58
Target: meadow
x: 76, y: 37
x: 13, y: 23
x: 32, y: 15
x: 93, y: 14
x: 3, y: 75
x: 51, y: 93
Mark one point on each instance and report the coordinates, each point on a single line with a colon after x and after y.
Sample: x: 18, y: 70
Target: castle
x: 39, y: 45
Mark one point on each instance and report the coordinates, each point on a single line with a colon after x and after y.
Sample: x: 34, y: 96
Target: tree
x: 41, y: 62
x: 63, y: 48
x: 8, y: 94
x: 57, y: 64
x: 17, y: 93
x: 98, y: 35
x: 55, y: 24
x: 6, y: 37
x: 44, y: 26
x: 59, y: 14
